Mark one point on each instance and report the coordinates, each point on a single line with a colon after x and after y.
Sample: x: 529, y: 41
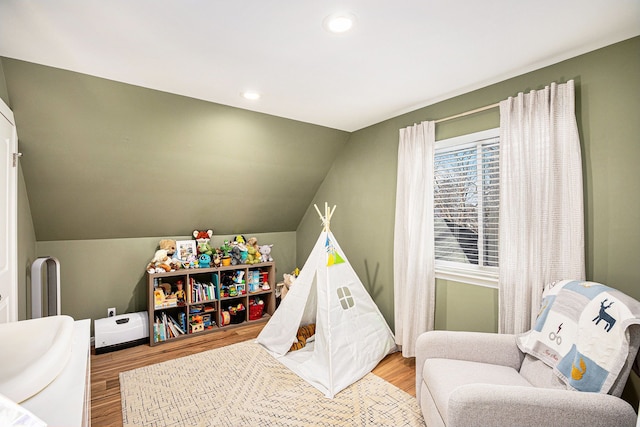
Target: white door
x: 8, y: 216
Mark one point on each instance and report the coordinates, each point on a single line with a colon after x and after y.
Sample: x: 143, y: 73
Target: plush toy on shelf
x: 236, y: 255
x: 168, y: 245
x: 163, y: 260
x: 238, y: 250
x: 203, y: 238
x: 253, y: 251
x: 204, y: 261
x: 160, y: 263
x: 265, y: 253
x: 216, y: 259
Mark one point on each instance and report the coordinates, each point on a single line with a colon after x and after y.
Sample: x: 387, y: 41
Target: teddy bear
x: 160, y: 262
x: 286, y: 286
x: 203, y: 238
x: 265, y: 253
x: 168, y: 245
x: 253, y: 251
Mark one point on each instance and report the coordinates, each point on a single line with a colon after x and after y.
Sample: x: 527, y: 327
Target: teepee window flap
x: 345, y: 298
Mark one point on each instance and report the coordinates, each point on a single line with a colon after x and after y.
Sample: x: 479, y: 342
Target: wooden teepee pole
x: 328, y: 213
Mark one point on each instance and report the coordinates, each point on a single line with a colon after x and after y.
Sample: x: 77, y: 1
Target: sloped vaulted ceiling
x: 105, y: 159
x: 108, y: 160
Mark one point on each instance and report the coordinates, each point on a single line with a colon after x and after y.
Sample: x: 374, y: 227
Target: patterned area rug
x: 242, y: 385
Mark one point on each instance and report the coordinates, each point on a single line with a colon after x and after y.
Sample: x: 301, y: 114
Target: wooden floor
x: 105, y: 387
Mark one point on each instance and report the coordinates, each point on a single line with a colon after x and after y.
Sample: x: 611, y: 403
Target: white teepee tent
x: 352, y: 336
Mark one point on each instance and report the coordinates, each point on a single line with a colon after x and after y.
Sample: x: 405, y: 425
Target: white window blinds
x: 466, y: 201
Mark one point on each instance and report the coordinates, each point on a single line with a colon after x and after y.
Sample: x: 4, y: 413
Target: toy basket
x: 238, y: 316
x: 255, y: 311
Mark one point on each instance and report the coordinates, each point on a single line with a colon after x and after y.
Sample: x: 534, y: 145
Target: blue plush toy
x: 204, y: 261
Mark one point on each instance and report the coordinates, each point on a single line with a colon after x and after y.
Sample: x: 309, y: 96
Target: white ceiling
x: 400, y: 55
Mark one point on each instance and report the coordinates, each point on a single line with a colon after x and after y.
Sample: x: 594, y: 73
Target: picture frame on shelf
x: 185, y: 249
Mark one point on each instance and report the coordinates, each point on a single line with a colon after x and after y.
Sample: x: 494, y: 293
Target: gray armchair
x: 482, y: 379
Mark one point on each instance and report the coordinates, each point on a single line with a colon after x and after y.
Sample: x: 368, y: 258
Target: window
x: 466, y: 203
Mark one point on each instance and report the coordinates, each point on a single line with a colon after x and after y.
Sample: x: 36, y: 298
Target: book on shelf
x: 165, y: 327
x: 216, y: 286
x: 202, y: 292
x: 159, y: 330
x: 183, y: 320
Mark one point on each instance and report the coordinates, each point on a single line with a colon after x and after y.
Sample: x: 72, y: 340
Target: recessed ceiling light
x: 339, y: 23
x: 251, y: 95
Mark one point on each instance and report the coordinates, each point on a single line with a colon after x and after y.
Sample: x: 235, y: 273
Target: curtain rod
x: 467, y: 113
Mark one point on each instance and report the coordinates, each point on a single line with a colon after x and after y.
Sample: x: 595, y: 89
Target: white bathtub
x: 66, y: 401
x: 33, y: 353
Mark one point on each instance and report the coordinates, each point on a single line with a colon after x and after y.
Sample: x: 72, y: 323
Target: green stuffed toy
x: 253, y: 251
x: 203, y: 238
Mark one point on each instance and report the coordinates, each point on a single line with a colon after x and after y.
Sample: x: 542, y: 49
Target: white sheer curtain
x: 541, y: 207
x: 414, y: 255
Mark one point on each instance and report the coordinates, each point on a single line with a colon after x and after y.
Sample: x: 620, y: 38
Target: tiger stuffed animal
x: 304, y: 333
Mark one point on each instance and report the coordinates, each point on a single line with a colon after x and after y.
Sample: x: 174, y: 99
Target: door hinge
x: 16, y: 156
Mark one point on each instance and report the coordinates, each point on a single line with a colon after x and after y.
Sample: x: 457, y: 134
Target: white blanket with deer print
x: 581, y: 332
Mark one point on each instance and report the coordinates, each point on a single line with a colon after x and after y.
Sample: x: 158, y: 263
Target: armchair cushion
x: 498, y: 349
x: 498, y: 405
x: 444, y: 376
x: 539, y: 374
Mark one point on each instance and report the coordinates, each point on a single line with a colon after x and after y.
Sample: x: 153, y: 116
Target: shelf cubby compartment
x: 203, y: 287
x: 169, y: 323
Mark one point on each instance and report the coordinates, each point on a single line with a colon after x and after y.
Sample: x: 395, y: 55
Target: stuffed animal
x: 253, y: 251
x: 204, y: 261
x: 203, y: 238
x: 216, y: 260
x: 303, y: 335
x: 236, y: 255
x: 286, y: 286
x: 265, y: 253
x: 175, y: 264
x: 253, y: 241
x: 160, y: 262
x: 253, y: 255
x: 168, y: 245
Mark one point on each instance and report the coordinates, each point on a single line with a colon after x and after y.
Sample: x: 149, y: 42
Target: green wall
x: 98, y: 274
x: 4, y: 94
x: 362, y: 181
x: 26, y: 249
x: 142, y: 162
